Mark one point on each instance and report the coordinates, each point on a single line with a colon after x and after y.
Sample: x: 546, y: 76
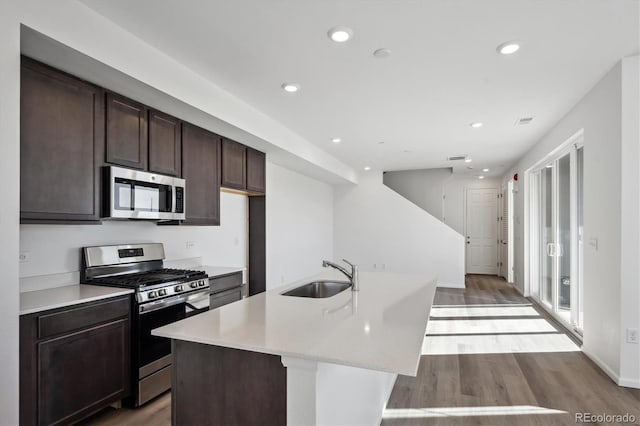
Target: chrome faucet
x: 353, y: 275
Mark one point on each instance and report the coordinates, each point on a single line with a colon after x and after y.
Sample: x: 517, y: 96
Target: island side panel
x: 213, y: 385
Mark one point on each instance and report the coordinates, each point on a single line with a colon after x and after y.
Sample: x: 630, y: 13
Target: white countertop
x: 381, y: 327
x: 42, y: 300
x: 216, y: 271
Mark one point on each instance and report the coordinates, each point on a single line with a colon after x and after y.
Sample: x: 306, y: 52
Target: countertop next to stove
x: 59, y: 297
x: 217, y: 271
x: 381, y: 327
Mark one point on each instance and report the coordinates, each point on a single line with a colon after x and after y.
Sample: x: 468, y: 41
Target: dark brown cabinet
x: 61, y: 146
x: 74, y: 361
x: 165, y: 144
x: 126, y: 132
x: 234, y: 163
x: 201, y: 170
x: 255, y: 171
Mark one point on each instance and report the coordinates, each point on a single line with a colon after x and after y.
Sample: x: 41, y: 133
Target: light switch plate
x: 24, y: 256
x: 593, y: 242
x: 632, y: 335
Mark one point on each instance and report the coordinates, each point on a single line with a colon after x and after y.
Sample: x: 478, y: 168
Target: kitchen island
x: 275, y: 359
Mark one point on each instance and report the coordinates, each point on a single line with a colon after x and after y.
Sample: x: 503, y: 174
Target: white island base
x: 320, y: 393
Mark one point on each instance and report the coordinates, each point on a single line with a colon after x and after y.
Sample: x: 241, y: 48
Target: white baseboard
x: 604, y: 367
x: 443, y: 285
x: 629, y: 383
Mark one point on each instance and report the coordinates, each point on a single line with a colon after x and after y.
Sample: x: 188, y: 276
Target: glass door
x: 546, y: 237
x: 556, y: 235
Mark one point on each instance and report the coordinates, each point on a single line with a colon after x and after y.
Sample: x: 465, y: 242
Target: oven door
x: 151, y: 316
x: 197, y: 303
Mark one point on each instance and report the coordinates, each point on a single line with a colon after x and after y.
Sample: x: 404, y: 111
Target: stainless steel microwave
x: 132, y: 194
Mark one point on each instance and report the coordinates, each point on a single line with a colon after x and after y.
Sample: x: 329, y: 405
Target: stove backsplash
x: 52, y: 252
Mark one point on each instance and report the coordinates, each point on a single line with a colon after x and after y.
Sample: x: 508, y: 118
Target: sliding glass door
x: 556, y: 234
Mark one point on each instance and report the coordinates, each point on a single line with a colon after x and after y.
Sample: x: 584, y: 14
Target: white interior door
x: 482, y: 231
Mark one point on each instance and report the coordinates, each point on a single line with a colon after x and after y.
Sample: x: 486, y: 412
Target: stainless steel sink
x: 319, y: 289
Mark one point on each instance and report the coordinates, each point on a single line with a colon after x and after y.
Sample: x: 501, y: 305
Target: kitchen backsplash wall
x: 55, y: 249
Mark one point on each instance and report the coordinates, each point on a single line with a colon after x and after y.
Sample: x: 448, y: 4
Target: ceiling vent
x: 524, y: 120
x: 456, y: 158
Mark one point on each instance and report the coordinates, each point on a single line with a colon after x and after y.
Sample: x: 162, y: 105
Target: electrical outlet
x: 190, y: 244
x: 632, y: 335
x: 24, y: 256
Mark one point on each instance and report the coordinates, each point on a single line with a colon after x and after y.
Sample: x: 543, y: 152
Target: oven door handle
x: 160, y: 304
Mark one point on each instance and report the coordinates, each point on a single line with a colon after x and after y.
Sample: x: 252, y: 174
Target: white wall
x: 600, y: 114
x: 426, y: 188
x: 630, y: 221
x: 377, y: 228
x: 299, y: 231
x: 55, y: 249
x: 9, y: 213
x: 422, y: 187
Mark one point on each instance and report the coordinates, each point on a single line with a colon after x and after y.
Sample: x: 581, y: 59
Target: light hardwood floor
x: 490, y: 357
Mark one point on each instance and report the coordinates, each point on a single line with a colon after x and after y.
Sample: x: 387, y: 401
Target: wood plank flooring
x: 493, y: 375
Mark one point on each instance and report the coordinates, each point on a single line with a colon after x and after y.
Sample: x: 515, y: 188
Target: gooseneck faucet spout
x: 353, y: 275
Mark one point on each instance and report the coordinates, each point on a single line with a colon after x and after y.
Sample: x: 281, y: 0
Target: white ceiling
x: 443, y: 73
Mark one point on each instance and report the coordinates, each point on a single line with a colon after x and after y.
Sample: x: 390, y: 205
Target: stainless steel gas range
x: 162, y: 296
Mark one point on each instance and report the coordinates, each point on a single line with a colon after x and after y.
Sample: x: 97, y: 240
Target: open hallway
x: 490, y: 357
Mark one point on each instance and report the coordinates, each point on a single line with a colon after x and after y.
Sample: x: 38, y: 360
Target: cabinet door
x: 81, y: 371
x: 201, y: 170
x: 234, y: 157
x: 61, y: 146
x: 164, y: 144
x: 255, y: 171
x: 126, y: 132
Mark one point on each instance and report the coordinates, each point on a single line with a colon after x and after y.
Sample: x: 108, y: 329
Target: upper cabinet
x: 201, y: 170
x: 126, y: 132
x: 255, y: 171
x: 165, y: 144
x: 234, y: 163
x: 243, y: 168
x: 61, y: 146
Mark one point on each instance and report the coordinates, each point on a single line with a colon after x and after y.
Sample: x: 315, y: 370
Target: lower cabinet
x: 74, y: 361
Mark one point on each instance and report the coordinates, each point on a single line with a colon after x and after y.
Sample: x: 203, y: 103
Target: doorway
x: 556, y: 187
x: 481, y: 227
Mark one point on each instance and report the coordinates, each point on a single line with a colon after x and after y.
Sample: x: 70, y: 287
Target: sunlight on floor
x: 483, y: 311
x: 482, y: 329
x: 515, y: 410
x: 489, y: 326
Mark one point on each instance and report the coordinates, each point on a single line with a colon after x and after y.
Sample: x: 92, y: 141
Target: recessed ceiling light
x: 367, y: 168
x: 340, y: 34
x: 485, y: 170
x: 507, y: 48
x: 476, y: 125
x: 336, y: 140
x: 480, y: 177
x: 382, y: 53
x: 468, y: 160
x: 290, y: 87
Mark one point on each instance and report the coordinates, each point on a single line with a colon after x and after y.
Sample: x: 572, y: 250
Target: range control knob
x: 162, y: 292
x: 152, y: 295
x: 194, y: 284
x: 201, y: 283
x: 178, y: 288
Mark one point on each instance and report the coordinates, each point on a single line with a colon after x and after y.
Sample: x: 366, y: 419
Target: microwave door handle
x: 172, y: 207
